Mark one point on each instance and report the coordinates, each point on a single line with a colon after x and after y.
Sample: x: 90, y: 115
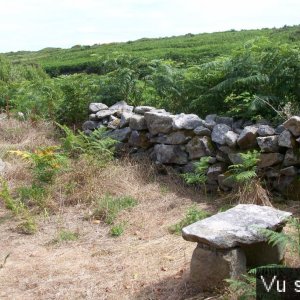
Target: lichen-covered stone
x: 236, y: 226
x: 224, y: 120
x: 124, y: 119
x: 268, y: 143
x: 202, y: 131
x: 219, y: 132
x: 186, y: 121
x: 137, y: 122
x: 120, y: 135
x: 265, y: 130
x: 121, y: 107
x: 95, y: 107
x: 286, y: 139
x: 141, y: 110
x: 231, y: 138
x: 199, y: 147
x: 101, y: 114
x: 159, y: 122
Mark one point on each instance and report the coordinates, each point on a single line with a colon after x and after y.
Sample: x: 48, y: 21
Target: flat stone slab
x: 236, y: 226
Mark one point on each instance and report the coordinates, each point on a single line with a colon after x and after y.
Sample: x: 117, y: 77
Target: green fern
x: 96, y: 145
x: 245, y: 171
x: 199, y: 175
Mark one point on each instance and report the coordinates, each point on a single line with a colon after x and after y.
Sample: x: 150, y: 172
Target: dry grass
x: 253, y: 193
x: 146, y: 262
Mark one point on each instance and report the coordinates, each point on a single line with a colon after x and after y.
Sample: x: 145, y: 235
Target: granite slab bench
x: 230, y: 242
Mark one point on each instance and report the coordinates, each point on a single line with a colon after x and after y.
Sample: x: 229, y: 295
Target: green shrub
x: 117, y: 230
x: 108, y: 207
x: 193, y: 215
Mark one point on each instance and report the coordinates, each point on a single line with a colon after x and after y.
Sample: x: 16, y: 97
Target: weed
x: 15, y: 205
x: 32, y: 194
x: 65, y: 236
x: 45, y: 162
x: 109, y: 207
x: 193, y: 215
x: 117, y: 230
x: 29, y: 226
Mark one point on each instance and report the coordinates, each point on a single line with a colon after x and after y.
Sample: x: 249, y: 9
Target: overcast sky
x: 36, y: 24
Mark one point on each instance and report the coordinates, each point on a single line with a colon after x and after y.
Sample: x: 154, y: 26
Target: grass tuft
x: 193, y: 215
x: 108, y: 207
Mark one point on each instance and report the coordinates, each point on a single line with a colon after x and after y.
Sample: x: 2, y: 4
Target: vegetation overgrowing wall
x: 181, y: 140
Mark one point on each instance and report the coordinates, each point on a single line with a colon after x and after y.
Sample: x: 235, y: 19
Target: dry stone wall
x: 181, y: 140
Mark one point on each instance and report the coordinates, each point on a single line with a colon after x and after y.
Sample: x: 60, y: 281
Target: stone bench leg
x: 209, y: 266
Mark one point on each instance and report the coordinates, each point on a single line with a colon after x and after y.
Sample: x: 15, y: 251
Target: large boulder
x: 170, y: 154
x: 268, y: 143
x: 159, y: 122
x: 270, y: 159
x: 189, y: 121
x: 199, y: 147
x: 137, y: 122
x: 235, y: 158
x: 247, y: 138
x: 293, y: 125
x: 95, y: 107
x: 174, y: 138
x: 286, y: 139
x: 219, y: 132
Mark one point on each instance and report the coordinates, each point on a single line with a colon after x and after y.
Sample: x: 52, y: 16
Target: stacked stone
x: 182, y: 139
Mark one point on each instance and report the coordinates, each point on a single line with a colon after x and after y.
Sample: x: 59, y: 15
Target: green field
x: 250, y: 74
x: 188, y: 49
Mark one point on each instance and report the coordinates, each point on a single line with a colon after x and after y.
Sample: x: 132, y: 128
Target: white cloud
x: 35, y: 24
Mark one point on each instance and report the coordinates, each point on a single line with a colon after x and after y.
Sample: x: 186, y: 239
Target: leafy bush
x: 193, y: 215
